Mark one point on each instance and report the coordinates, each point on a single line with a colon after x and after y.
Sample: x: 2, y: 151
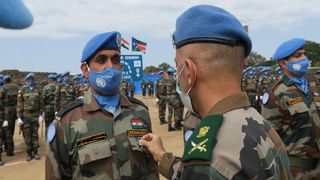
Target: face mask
x: 298, y: 67
x: 105, y: 82
x: 30, y: 84
x: 185, y: 98
x: 66, y: 80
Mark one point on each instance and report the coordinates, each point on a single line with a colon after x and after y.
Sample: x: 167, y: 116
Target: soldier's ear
x: 192, y: 71
x: 85, y: 70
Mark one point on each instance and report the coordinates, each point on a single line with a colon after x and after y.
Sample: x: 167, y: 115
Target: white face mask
x: 185, y: 98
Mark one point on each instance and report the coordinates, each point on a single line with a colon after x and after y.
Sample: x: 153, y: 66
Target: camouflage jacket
x: 48, y: 96
x: 295, y: 116
x: 64, y: 94
x: 29, y: 102
x: 1, y: 106
x: 89, y: 143
x: 10, y: 95
x: 232, y: 142
x: 160, y: 90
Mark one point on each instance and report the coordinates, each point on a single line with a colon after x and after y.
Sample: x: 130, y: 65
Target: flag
x: 125, y: 44
x: 138, y: 45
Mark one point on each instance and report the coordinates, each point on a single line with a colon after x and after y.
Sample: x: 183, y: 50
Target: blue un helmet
x: 29, y: 76
x: 6, y: 78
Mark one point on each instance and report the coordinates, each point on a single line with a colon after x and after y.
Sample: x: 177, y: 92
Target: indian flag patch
x: 137, y: 124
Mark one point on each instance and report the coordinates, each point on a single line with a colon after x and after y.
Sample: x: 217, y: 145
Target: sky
x: 61, y: 28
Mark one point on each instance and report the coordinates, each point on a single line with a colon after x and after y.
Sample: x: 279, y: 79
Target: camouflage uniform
x: 1, y: 123
x: 143, y: 87
x: 124, y: 88
x: 81, y: 89
x: 10, y: 110
x: 161, y: 95
x: 150, y: 88
x: 251, y: 89
x: 29, y: 108
x: 64, y: 94
x: 174, y: 101
x: 232, y: 142
x: 89, y: 143
x: 317, y: 80
x: 295, y: 116
x: 48, y: 102
x: 191, y: 121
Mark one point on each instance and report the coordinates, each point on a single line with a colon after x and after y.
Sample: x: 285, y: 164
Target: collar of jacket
x: 91, y: 104
x: 229, y: 103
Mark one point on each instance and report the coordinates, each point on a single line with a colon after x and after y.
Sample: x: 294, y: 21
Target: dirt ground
x: 16, y: 167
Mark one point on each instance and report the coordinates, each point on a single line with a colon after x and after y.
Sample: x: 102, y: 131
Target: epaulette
x: 68, y: 107
x: 137, y: 101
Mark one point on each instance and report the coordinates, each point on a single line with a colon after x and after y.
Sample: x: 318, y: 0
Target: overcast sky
x: 61, y: 28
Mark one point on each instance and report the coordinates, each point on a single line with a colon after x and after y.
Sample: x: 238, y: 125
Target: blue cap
x: 170, y: 70
x: 288, y: 48
x: 110, y: 40
x: 52, y: 76
x: 160, y: 72
x: 204, y: 23
x: 65, y: 73
x: 29, y: 75
x: 14, y: 15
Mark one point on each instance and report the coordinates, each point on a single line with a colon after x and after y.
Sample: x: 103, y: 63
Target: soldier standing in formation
x: 132, y: 88
x: 161, y: 96
x: 143, y: 87
x: 150, y: 87
x: 293, y: 108
x: 48, y: 99
x: 29, y: 110
x: 1, y: 120
x: 124, y: 87
x: 232, y: 141
x: 97, y: 137
x: 174, y: 101
x: 10, y: 92
x: 65, y: 92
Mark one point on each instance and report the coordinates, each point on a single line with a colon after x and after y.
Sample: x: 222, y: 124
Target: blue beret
x: 288, y: 48
x: 204, y: 23
x: 110, y: 40
x: 29, y: 75
x: 52, y: 76
x: 6, y: 78
x: 65, y: 73
x: 170, y: 70
x: 14, y: 15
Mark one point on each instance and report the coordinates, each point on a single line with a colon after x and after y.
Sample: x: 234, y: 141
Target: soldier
x: 29, y: 110
x: 174, y: 102
x: 250, y: 86
x: 83, y: 86
x: 232, y: 141
x: 132, y: 88
x: 2, y: 123
x: 293, y: 108
x: 150, y: 87
x: 10, y: 92
x: 64, y: 93
x: 161, y: 96
x: 97, y: 137
x: 143, y: 87
x: 48, y: 99
x: 317, y: 79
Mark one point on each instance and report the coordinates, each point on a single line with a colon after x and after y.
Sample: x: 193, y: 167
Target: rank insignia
x: 203, y: 131
x: 201, y: 146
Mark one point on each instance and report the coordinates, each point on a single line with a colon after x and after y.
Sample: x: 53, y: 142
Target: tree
x: 255, y: 59
x: 313, y: 52
x: 150, y: 69
x: 164, y: 66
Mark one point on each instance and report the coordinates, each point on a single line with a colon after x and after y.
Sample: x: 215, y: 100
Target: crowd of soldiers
x: 32, y: 103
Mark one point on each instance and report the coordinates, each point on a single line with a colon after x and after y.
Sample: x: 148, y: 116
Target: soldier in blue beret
x: 97, y: 136
x: 292, y: 106
x: 232, y: 141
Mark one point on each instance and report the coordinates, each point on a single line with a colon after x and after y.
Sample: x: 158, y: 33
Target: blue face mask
x: 66, y: 80
x: 105, y: 82
x: 30, y: 84
x: 298, y: 67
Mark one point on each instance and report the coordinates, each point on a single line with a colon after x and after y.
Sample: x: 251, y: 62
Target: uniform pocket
x: 300, y: 107
x: 94, y: 151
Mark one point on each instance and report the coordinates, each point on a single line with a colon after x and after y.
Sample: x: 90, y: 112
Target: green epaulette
x: 137, y: 101
x: 203, y: 140
x: 68, y: 107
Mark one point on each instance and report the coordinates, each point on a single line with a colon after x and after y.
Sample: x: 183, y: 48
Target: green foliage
x: 255, y: 59
x: 164, y: 66
x: 313, y: 52
x: 151, y: 69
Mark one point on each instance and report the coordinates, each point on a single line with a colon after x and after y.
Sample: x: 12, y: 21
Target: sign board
x: 132, y: 67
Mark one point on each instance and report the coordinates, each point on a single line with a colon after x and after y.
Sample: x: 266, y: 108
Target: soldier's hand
x: 20, y: 122
x: 154, y: 144
x: 5, y: 123
x: 40, y: 119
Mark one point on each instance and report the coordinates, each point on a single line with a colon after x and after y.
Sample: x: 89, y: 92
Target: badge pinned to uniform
x: 137, y: 123
x: 51, y: 133
x: 187, y: 135
x: 265, y: 98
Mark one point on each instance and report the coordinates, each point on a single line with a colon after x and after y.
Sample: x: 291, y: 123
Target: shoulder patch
x: 76, y: 103
x: 137, y: 101
x: 51, y: 133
